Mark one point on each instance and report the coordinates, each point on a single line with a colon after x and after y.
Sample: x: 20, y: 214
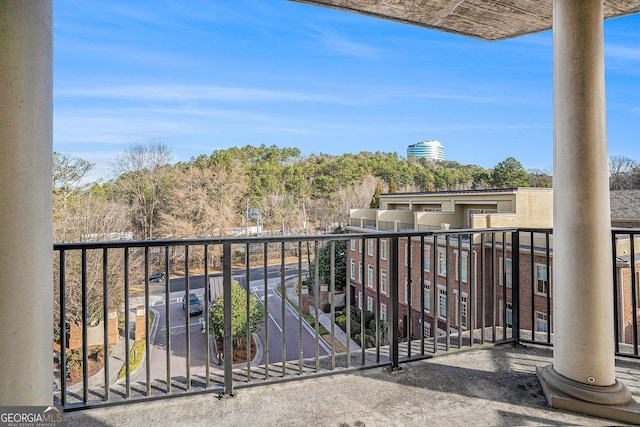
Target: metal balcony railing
x: 308, y: 306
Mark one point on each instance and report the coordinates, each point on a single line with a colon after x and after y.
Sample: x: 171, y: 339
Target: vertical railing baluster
x: 634, y: 294
x: 548, y: 265
x: 167, y: 317
x: 85, y: 346
x: 147, y: 320
x: 494, y: 315
x: 283, y: 291
x: 533, y: 288
x: 106, y: 320
x: 227, y: 313
x: 377, y: 316
x: 619, y: 329
x: 472, y: 306
x: 483, y: 285
x: 63, y: 330
x: 348, y: 303
x: 316, y: 299
x: 409, y: 296
x: 299, y: 288
x: 363, y: 280
x: 265, y: 273
x: 447, y: 264
x: 127, y: 331
x: 247, y: 279
x: 332, y: 308
x: 503, y: 306
x: 395, y: 317
x: 421, y: 286
x: 205, y: 309
x: 515, y: 286
x: 187, y: 311
x: 459, y: 303
x: 435, y: 311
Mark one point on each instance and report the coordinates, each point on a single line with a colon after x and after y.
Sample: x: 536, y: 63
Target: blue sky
x: 205, y: 75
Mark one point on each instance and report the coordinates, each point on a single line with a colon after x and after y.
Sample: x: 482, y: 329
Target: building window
x: 463, y: 312
x: 353, y: 245
x: 442, y: 263
x: 442, y: 297
x: 360, y: 300
x: 370, y: 304
x: 383, y: 312
x: 427, y: 258
x: 462, y: 263
x: 638, y: 289
x: 427, y: 329
x: 383, y: 249
x: 427, y: 295
x: 542, y: 324
x: 406, y: 290
x: 360, y: 271
x: 509, y: 275
x: 509, y: 315
x: 370, y: 276
x: 542, y: 286
x: 383, y: 280
x: 370, y: 247
x: 353, y: 269
x: 360, y: 245
x: 406, y: 255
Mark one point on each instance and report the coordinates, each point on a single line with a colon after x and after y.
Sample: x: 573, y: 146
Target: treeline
x: 624, y: 173
x: 273, y: 187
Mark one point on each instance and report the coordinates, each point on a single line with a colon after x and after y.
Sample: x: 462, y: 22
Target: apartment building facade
x: 464, y: 279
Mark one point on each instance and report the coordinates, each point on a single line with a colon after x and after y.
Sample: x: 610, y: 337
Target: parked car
x: 195, y: 306
x: 157, y: 277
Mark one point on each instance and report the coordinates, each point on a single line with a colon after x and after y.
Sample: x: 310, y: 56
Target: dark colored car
x: 157, y: 277
x: 195, y: 306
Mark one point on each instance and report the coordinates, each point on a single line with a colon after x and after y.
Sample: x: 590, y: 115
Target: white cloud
x: 622, y: 52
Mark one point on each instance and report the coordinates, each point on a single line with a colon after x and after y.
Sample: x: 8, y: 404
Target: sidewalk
x: 324, y: 318
x: 116, y: 362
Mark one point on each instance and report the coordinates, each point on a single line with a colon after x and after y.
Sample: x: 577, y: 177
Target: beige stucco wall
x: 524, y: 207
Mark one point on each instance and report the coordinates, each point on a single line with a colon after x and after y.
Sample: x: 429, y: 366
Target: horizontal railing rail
x: 149, y: 319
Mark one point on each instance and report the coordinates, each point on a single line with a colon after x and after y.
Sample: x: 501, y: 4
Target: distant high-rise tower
x: 430, y: 150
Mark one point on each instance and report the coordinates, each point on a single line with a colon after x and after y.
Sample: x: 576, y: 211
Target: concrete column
x: 26, y: 234
x: 583, y: 362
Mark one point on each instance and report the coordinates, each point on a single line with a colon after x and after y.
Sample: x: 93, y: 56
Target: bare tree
x: 69, y: 186
x: 621, y: 172
x: 204, y: 202
x: 540, y: 178
x: 353, y: 197
x: 143, y: 181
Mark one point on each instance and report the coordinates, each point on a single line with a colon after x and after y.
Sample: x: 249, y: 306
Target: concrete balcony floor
x: 486, y: 387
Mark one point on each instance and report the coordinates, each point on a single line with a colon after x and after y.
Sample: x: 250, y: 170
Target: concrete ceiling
x: 483, y: 19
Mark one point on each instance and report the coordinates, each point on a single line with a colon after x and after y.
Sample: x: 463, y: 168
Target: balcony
x: 490, y: 317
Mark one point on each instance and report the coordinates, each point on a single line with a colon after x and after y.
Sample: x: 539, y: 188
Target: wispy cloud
x: 183, y: 93
x: 622, y: 52
x: 343, y: 45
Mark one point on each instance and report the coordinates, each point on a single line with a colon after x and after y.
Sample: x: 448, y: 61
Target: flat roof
x: 512, y: 190
x: 481, y: 19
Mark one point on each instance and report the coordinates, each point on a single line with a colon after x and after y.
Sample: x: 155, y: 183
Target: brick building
x: 462, y: 280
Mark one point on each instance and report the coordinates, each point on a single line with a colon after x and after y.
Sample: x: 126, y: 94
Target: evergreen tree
x: 392, y: 186
x: 375, y: 201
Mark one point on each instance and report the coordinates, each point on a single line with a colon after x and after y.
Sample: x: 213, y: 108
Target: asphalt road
x: 281, y: 331
x: 197, y: 282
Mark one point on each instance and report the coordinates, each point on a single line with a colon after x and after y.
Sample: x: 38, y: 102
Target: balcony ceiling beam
x: 481, y: 19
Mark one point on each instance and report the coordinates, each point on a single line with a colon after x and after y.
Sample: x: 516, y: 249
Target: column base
x: 613, y: 402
